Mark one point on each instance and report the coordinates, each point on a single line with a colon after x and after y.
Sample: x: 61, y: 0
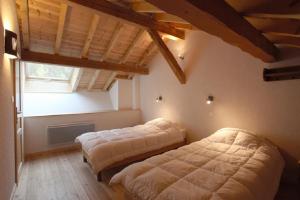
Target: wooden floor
x: 63, y: 176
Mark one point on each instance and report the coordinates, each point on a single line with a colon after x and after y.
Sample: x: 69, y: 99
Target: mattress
x: 229, y: 164
x: 105, y: 148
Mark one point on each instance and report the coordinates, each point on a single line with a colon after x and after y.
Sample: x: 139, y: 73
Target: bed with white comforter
x: 105, y: 148
x: 231, y: 164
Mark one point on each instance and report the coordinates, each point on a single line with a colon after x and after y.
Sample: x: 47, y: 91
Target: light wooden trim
x: 79, y: 62
x: 61, y: 25
x: 91, y: 33
x: 145, y: 7
x: 94, y: 79
x: 165, y: 17
x: 132, y: 45
x: 109, y: 81
x: 128, y: 15
x: 218, y: 18
x: 24, y: 10
x: 113, y: 40
x: 168, y: 56
x: 147, y: 53
x: 78, y: 74
x: 31, y: 156
x: 273, y: 16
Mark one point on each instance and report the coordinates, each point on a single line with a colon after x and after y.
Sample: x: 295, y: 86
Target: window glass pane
x: 44, y: 71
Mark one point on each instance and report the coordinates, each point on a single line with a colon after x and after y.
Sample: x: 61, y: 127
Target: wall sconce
x: 158, y: 99
x: 11, y: 42
x: 209, y: 100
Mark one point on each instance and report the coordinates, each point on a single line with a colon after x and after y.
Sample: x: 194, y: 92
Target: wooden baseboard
x: 35, y: 155
x: 13, y: 192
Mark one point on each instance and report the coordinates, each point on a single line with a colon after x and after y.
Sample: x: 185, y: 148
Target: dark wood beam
x: 79, y: 62
x: 167, y: 55
x: 130, y: 15
x: 282, y: 73
x: 216, y: 17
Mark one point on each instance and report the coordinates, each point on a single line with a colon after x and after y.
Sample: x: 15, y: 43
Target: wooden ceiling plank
x: 94, y: 79
x: 80, y: 62
x: 77, y: 78
x: 145, y: 7
x: 61, y: 25
x: 109, y: 81
x: 221, y: 20
x: 113, y: 40
x: 128, y: 15
x: 168, y: 56
x: 147, y: 52
x: 132, y: 45
x: 164, y: 17
x: 25, y: 24
x: 91, y: 33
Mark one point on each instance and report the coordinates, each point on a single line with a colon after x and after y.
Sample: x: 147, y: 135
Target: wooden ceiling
x: 117, y: 31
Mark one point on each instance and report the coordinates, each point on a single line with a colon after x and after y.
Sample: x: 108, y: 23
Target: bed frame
x: 133, y: 158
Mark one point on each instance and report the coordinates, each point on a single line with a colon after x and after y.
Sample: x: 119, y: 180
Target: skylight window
x: 48, y: 72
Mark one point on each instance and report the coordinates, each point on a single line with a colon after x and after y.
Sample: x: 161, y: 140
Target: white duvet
x: 230, y: 164
x: 107, y: 147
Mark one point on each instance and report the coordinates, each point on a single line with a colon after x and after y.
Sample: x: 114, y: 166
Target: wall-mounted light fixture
x: 158, y: 99
x: 209, y: 100
x: 11, y: 48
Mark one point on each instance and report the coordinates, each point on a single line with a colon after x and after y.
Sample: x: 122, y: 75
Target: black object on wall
x: 11, y: 44
x: 283, y: 73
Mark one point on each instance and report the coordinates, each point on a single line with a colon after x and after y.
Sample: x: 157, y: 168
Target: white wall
x: 39, y: 104
x: 234, y: 78
x: 121, y: 94
x: 114, y: 95
x: 36, y: 127
x: 125, y: 94
x: 8, y: 20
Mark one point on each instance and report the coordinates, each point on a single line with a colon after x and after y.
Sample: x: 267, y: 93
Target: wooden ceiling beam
x: 165, y: 17
x: 93, y: 79
x: 80, y: 62
x: 132, y: 45
x: 221, y: 20
x: 61, y: 25
x: 168, y: 56
x: 145, y: 7
x: 273, y: 16
x: 113, y: 40
x: 24, y: 10
x: 280, y: 39
x: 91, y: 33
x: 129, y: 15
x: 109, y: 81
x: 147, y: 53
x: 77, y: 74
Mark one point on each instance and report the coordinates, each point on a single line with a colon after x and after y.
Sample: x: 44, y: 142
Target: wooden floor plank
x: 63, y: 176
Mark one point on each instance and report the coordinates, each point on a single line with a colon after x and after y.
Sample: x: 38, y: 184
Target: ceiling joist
x: 129, y: 15
x: 94, y: 79
x: 164, y: 17
x: 109, y: 81
x: 168, y: 56
x: 76, y: 79
x: 91, y: 33
x: 61, y: 25
x: 80, y: 62
x: 24, y: 10
x: 220, y: 19
x: 132, y: 45
x: 145, y: 7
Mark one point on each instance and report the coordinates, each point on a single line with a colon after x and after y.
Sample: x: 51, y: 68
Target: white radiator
x: 60, y: 134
